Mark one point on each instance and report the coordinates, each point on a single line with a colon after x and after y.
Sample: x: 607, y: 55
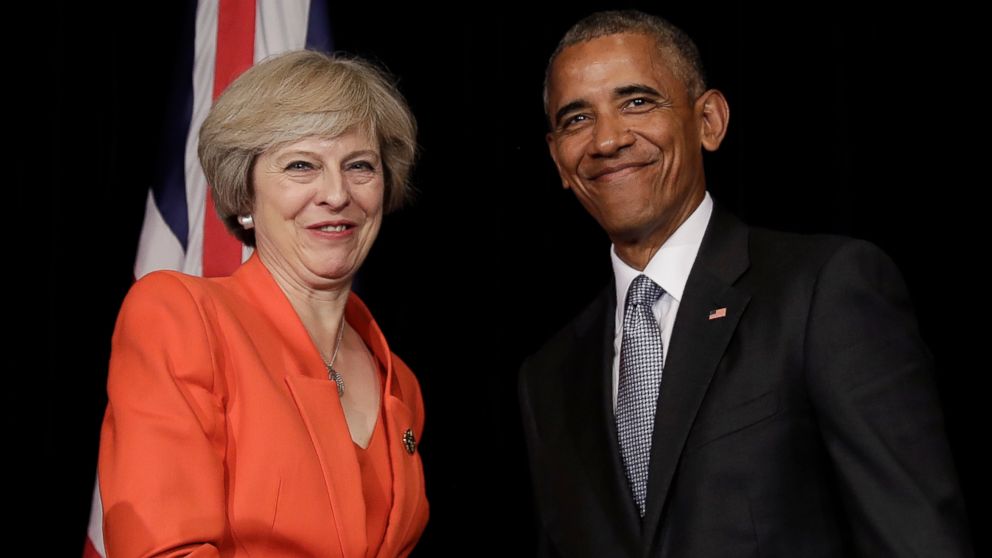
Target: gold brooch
x: 409, y: 441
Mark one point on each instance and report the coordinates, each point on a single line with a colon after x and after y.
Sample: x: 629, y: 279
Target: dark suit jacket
x: 804, y: 423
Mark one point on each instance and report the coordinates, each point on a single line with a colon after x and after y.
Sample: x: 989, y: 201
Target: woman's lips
x: 332, y: 229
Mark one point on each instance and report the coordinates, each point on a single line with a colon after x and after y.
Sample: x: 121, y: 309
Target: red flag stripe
x: 235, y: 51
x: 89, y: 551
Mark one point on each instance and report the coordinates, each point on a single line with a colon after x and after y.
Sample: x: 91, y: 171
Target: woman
x: 263, y: 414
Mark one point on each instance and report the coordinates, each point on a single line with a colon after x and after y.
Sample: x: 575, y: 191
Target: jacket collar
x: 696, y: 348
x: 320, y: 410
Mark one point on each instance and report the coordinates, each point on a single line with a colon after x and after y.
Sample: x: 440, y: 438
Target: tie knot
x: 643, y: 291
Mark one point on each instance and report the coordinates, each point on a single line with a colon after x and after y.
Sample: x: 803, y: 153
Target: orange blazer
x: 224, y: 437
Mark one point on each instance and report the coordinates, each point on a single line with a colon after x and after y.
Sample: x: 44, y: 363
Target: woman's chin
x: 336, y: 275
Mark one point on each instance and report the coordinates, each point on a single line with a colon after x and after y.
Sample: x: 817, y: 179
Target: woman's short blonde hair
x: 293, y: 96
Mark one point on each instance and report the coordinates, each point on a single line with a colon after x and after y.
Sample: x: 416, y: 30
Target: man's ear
x: 553, y: 149
x: 714, y: 113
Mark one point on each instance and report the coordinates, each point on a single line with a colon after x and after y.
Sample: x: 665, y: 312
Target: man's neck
x: 638, y: 252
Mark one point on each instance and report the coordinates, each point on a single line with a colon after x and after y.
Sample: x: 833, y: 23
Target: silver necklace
x: 333, y: 374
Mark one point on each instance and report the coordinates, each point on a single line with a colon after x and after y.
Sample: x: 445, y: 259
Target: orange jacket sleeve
x: 163, y: 439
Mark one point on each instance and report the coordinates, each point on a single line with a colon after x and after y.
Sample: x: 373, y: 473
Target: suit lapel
x: 302, y: 369
x: 408, y: 477
x: 320, y: 409
x: 696, y: 347
x: 297, y: 362
x: 588, y: 400
x: 401, y: 437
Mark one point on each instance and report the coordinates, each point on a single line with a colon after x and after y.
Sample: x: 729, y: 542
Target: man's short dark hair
x: 674, y: 44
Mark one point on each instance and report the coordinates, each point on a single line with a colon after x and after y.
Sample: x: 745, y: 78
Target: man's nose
x: 610, y: 135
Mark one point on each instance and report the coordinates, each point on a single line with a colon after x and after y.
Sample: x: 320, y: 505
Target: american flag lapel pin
x: 718, y: 313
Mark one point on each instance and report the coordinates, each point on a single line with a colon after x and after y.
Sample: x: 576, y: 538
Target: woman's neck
x: 320, y: 308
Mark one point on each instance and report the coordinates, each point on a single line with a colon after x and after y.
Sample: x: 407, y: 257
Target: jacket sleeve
x: 162, y: 445
x: 545, y: 548
x: 870, y: 378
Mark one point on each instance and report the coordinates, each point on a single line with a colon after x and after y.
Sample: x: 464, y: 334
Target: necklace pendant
x: 332, y: 374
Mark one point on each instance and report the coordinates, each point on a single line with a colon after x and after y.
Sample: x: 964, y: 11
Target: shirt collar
x: 671, y: 264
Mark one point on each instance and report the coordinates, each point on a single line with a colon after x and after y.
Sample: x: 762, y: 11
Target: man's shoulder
x: 729, y: 239
x: 773, y: 239
x: 781, y: 263
x: 795, y: 252
x: 790, y: 249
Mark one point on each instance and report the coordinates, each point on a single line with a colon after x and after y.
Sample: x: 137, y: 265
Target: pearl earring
x: 246, y: 221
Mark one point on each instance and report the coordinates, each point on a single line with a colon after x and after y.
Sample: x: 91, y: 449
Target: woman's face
x: 318, y: 207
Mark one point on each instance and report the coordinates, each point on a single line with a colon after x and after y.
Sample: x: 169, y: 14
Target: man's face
x: 626, y: 136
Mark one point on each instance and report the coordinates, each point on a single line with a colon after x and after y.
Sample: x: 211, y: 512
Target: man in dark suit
x: 734, y: 391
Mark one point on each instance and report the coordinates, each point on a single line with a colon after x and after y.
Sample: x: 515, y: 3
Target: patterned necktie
x: 642, y: 358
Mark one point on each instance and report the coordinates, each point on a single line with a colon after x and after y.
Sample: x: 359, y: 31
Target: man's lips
x: 617, y: 171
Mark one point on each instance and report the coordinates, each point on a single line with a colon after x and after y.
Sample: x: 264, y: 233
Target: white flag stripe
x: 280, y: 26
x: 95, y: 529
x: 203, y: 85
x: 158, y: 248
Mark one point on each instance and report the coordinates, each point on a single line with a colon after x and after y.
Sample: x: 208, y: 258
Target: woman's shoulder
x: 170, y: 284
x: 169, y: 292
x: 163, y: 279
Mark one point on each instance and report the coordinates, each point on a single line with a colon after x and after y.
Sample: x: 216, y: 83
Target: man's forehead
x: 608, y: 62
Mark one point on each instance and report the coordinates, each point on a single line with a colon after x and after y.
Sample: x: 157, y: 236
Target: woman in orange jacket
x: 263, y: 414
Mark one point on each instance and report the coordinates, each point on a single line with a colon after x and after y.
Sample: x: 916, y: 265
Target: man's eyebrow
x: 570, y: 107
x: 636, y: 89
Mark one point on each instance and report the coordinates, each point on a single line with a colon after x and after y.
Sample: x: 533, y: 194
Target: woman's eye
x: 299, y: 166
x: 362, y: 166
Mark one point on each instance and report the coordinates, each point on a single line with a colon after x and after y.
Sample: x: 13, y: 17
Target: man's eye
x: 573, y: 120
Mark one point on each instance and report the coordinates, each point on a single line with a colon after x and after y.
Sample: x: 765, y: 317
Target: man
x: 734, y: 391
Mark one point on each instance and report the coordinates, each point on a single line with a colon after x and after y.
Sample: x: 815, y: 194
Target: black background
x: 854, y: 119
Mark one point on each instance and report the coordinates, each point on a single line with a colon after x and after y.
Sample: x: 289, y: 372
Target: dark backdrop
x: 849, y: 119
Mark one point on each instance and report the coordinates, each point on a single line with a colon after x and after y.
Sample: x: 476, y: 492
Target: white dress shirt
x: 669, y: 268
